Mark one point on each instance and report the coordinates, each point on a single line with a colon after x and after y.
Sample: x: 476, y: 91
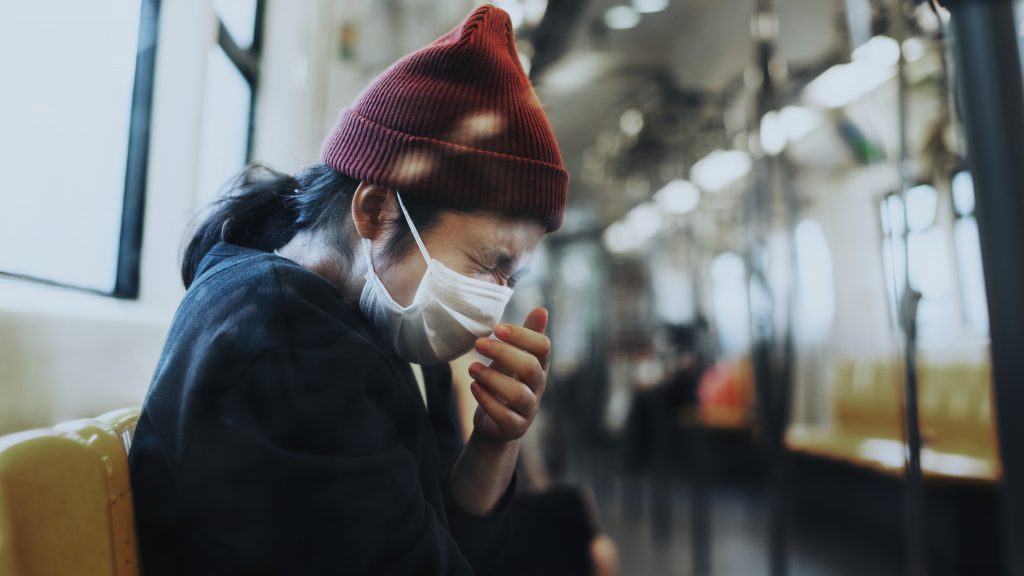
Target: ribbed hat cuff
x: 447, y: 173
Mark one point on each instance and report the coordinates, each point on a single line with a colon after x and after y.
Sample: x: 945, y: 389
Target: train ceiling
x: 680, y: 68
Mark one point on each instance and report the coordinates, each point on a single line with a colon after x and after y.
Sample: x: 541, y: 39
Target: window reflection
x: 225, y: 134
x: 968, y: 255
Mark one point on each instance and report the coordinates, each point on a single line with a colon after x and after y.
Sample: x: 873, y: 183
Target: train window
x: 922, y: 206
x: 75, y: 123
x: 816, y: 287
x: 922, y: 261
x: 232, y: 69
x: 225, y: 131
x: 1019, y: 6
x: 929, y: 264
x: 893, y: 251
x: 729, y: 303
x: 968, y: 255
x: 963, y: 193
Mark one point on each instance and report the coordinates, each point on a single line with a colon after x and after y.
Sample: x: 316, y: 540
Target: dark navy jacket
x: 279, y: 436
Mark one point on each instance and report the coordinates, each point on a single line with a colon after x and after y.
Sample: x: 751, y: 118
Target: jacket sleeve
x: 482, y: 540
x: 295, y: 473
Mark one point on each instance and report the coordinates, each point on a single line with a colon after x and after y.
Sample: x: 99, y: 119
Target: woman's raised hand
x: 510, y: 390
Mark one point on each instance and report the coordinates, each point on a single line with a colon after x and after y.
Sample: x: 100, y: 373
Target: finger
x: 506, y: 418
x: 537, y: 320
x: 516, y: 395
x: 515, y: 364
x: 482, y: 344
x: 526, y: 339
x: 522, y: 365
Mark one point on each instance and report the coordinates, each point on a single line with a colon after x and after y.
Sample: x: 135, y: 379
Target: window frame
x: 247, y: 61
x: 129, y: 251
x: 126, y: 280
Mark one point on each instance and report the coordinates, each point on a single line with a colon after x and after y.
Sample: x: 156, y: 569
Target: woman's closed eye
x: 499, y: 274
x: 497, y: 265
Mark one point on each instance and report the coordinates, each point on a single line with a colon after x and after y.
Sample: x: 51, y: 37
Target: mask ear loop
x: 412, y: 228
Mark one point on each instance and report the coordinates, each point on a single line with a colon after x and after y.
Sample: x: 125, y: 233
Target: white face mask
x: 449, y: 312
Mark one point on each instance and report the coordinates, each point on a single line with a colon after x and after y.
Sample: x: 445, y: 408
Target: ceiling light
x: 678, y: 197
x: 630, y: 234
x: 720, y: 169
x: 874, y: 63
x: 798, y: 121
x: 631, y: 122
x: 846, y: 83
x: 644, y: 220
x: 574, y: 72
x: 649, y: 6
x: 880, y: 50
x: 621, y: 17
x: 619, y: 238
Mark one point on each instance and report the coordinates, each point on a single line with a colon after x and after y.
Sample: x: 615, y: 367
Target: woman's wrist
x: 482, y: 473
x: 491, y: 447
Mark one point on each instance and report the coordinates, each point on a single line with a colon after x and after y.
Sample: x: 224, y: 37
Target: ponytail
x: 256, y: 212
x: 264, y: 209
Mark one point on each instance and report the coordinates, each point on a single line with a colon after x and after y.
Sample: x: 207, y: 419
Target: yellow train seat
x: 66, y: 503
x: 123, y: 422
x: 957, y: 429
x: 866, y: 423
x: 954, y: 408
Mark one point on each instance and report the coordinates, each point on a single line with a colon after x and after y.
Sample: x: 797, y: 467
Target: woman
x: 286, y: 430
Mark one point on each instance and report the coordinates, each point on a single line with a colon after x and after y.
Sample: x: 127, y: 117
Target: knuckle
x: 523, y: 398
x: 539, y: 391
x: 545, y: 345
x: 534, y: 371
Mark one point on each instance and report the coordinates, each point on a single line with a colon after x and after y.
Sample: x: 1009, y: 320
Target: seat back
x: 123, y: 423
x: 7, y: 567
x: 885, y: 400
x: 956, y: 409
x: 65, y: 502
x: 866, y: 399
x: 112, y: 448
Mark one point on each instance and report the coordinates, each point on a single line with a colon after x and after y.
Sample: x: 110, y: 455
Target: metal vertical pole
x: 989, y: 73
x: 916, y: 536
x: 700, y: 507
x: 773, y: 344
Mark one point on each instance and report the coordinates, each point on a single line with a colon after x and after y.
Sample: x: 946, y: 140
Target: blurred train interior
x: 785, y: 304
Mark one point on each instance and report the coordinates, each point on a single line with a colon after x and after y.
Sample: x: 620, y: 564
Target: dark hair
x: 264, y: 209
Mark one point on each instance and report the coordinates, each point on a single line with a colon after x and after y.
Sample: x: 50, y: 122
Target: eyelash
x: 509, y: 280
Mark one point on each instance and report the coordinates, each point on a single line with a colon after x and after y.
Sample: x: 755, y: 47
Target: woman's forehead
x: 499, y: 235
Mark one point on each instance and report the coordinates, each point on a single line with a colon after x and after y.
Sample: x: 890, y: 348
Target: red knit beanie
x: 457, y: 123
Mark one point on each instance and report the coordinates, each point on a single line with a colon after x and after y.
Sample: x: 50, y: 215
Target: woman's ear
x: 373, y: 208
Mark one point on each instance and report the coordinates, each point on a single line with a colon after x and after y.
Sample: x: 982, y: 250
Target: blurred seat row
x: 954, y: 409
x: 66, y: 499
